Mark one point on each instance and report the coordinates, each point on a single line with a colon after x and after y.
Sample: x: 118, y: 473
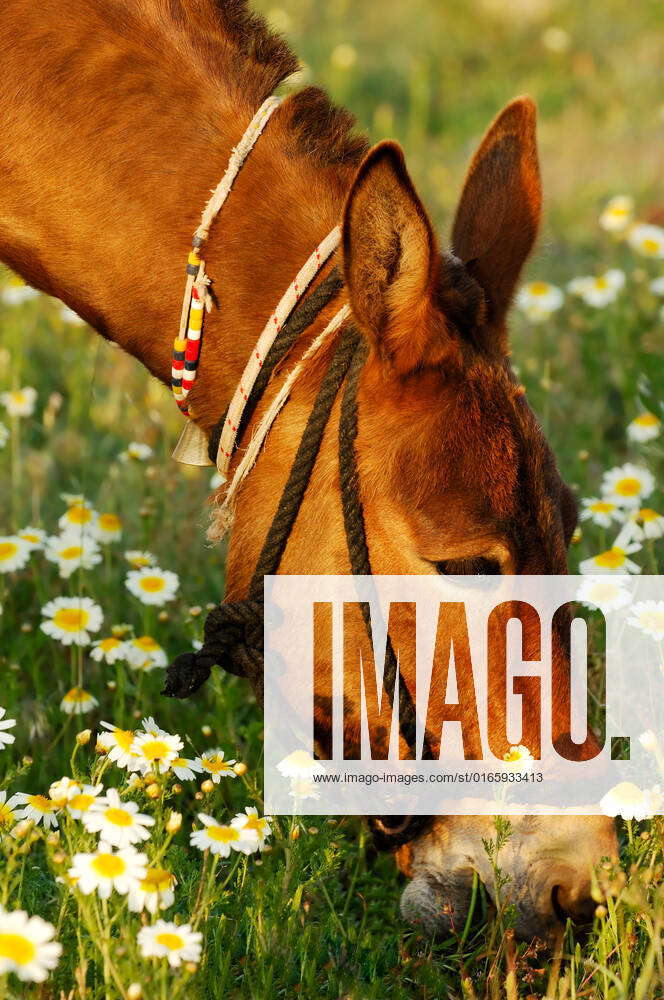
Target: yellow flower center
x: 153, y: 584
x: 6, y: 815
x: 140, y: 561
x: 7, y: 550
x: 146, y: 643
x: 215, y: 764
x: 223, y: 834
x: 77, y: 695
x: 123, y: 738
x: 171, y: 941
x: 79, y: 514
x: 602, y: 507
x: 109, y: 522
x: 110, y: 643
x: 539, y: 288
x: 646, y: 514
x: 72, y: 552
x: 109, y: 865
x: 29, y: 537
x: 82, y: 801
x: 653, y: 620
x: 41, y: 803
x: 603, y: 592
x: 649, y: 245
x: 155, y: 749
x: 647, y: 420
x: 611, y: 559
x: 156, y: 880
x: 630, y: 486
x: 18, y: 948
x: 256, y: 823
x: 118, y: 817
x: 71, y: 619
x: 601, y: 283
x: 18, y: 397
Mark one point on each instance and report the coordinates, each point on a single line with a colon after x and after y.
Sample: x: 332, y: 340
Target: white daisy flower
x: 8, y: 817
x: 175, y: 942
x: 105, y: 870
x: 519, y: 758
x: 27, y: 947
x: 657, y: 285
x: 118, y: 823
x: 72, y: 552
x: 5, y: 724
x: 651, y: 524
x: 61, y: 791
x: 14, y: 553
x: 71, y: 619
x: 643, y: 428
x: 108, y: 650
x: 69, y: 316
x: 4, y: 435
x: 16, y: 292
x: 139, y: 560
x: 217, y: 480
x: 614, y: 560
x: 299, y: 764
x: 249, y: 823
x: 599, y: 511
x: 156, y: 751
x: 648, y: 616
x: 303, y: 788
x: 19, y: 402
x: 37, y: 808
x: 627, y: 800
x: 604, y: 594
x: 184, y: 769
x: 649, y: 741
x: 598, y: 291
x: 136, y: 451
x: 647, y: 240
x: 538, y: 299
x: 118, y: 745
x: 220, y: 838
x: 35, y: 537
x: 108, y: 528
x: 79, y: 518
x: 145, y: 653
x: 81, y: 801
x: 154, y: 892
x: 617, y: 214
x: 78, y: 701
x: 627, y: 484
x: 152, y: 585
x: 214, y: 765
x: 76, y: 500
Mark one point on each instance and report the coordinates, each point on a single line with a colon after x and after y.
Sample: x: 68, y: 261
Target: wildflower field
x: 135, y: 857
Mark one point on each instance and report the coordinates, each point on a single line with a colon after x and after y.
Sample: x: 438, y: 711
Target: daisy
x: 604, y: 594
x: 71, y: 619
x: 598, y: 291
x: 538, y: 299
x: 108, y: 650
x: 16, y: 292
x: 75, y: 500
x: 108, y: 528
x: 627, y: 800
x: 79, y: 516
x: 105, y: 870
x: 35, y: 537
x: 14, y: 553
x: 250, y: 823
x: 71, y: 552
x: 649, y: 617
x: 643, y: 428
x: 627, y: 484
x: 139, y: 560
x: 177, y: 943
x: 184, y: 768
x: 657, y: 285
x: 617, y: 214
x: 214, y: 765
x: 303, y: 788
x: 156, y: 751
x: 5, y: 724
x: 220, y: 839
x: 78, y: 701
x: 145, y: 653
x: 118, y: 823
x: 600, y: 512
x: 37, y: 808
x: 650, y: 522
x: 299, y: 764
x: 136, y: 451
x: 647, y: 240
x: 614, y: 560
x: 152, y: 585
x: 27, y: 947
x: 61, y: 791
x: 519, y: 758
x: 8, y: 817
x: 80, y: 802
x: 19, y: 402
x: 154, y: 892
x: 118, y: 743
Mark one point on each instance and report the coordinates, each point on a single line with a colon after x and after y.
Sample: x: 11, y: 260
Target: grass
x: 316, y: 916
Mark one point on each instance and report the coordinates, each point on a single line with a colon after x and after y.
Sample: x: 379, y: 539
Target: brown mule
x: 116, y: 120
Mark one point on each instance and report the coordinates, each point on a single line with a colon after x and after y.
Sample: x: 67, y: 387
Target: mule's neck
x: 108, y: 171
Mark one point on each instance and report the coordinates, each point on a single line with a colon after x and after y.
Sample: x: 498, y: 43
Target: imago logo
x: 468, y: 695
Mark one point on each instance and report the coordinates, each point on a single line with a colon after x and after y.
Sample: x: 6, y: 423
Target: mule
x: 116, y: 120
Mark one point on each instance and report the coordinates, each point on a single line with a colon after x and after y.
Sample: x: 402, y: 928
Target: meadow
x: 95, y: 515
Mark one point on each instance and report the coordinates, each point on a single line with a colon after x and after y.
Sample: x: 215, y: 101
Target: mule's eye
x: 476, y: 566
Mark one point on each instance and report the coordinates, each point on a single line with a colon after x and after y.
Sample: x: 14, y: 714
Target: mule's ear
x: 389, y: 259
x: 498, y: 216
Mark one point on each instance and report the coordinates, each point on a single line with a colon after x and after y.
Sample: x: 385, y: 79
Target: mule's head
x: 456, y: 476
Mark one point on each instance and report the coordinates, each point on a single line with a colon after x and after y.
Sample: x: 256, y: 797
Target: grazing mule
x: 116, y: 120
